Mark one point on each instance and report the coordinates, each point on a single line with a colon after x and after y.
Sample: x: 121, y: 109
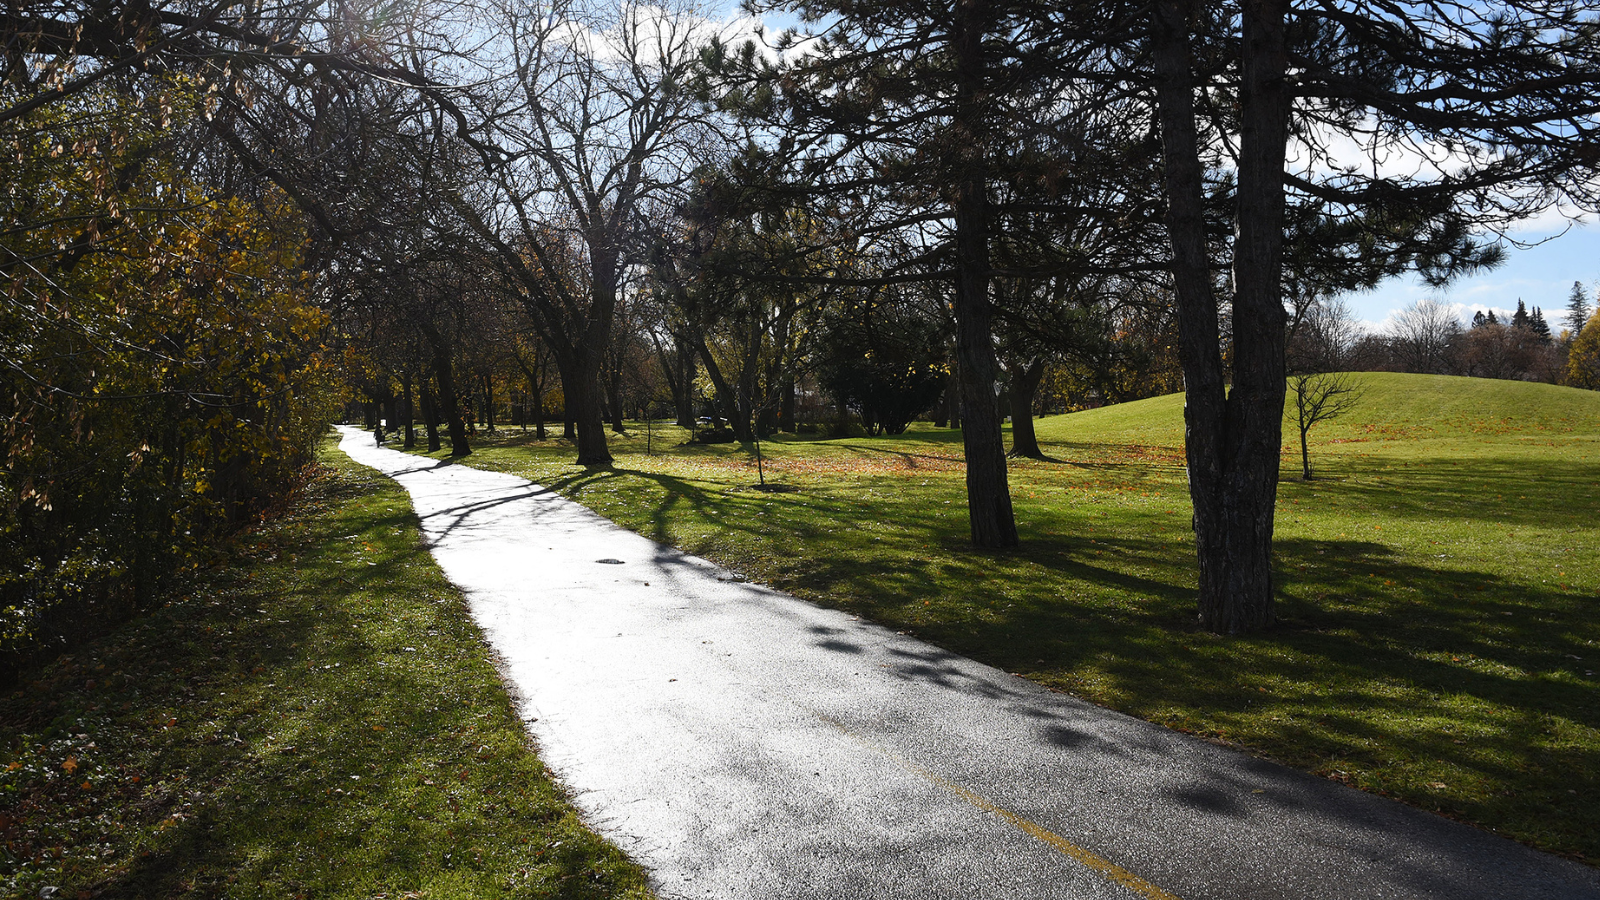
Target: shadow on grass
x: 1549, y: 493
x: 318, y: 721
x: 722, y: 509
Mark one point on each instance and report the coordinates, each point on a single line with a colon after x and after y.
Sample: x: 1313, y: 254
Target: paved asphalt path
x: 741, y: 743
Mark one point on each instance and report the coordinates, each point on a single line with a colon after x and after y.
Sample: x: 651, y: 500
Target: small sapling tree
x: 1319, y: 397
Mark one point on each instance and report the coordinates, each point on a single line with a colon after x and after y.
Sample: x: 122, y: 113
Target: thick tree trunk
x: 580, y: 387
x: 989, y: 510
x: 786, y: 406
x: 583, y: 405
x: 1024, y: 387
x: 749, y: 377
x: 450, y: 406
x: 1232, y: 438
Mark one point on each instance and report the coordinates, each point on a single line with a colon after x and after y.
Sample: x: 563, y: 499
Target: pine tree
x: 1539, y: 326
x: 1519, y: 319
x: 1490, y: 319
x: 1478, y: 319
x: 1577, y: 311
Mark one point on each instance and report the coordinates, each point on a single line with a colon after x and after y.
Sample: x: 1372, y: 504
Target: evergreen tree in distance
x: 1577, y: 311
x: 1520, y: 319
x: 1539, y: 326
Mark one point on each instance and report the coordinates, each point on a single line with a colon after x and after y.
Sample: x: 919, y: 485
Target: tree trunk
x: 614, y: 400
x: 583, y: 405
x: 391, y: 412
x: 488, y: 404
x: 1305, y: 455
x: 1024, y: 387
x: 537, y: 374
x: 989, y: 510
x: 678, y: 379
x: 409, y: 416
x: 449, y: 406
x: 683, y: 394
x: 725, y: 397
x: 430, y: 417
x: 749, y: 377
x: 1232, y: 438
x: 580, y: 386
x: 786, y: 406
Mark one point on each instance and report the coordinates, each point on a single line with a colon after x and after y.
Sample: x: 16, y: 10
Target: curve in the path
x: 741, y: 743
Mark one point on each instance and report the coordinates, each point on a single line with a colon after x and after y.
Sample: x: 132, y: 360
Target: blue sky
x: 1541, y: 276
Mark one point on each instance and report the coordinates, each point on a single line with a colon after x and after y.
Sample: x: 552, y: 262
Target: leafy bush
x: 164, y: 374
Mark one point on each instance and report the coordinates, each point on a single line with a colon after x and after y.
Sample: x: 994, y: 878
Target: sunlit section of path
x: 743, y: 744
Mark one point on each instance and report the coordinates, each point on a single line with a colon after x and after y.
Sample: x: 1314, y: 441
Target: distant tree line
x: 1427, y: 337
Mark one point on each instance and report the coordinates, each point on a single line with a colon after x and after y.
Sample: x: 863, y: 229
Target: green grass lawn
x: 318, y: 718
x: 1438, y: 584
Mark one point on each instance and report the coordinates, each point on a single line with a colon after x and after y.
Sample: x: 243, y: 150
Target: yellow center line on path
x: 1087, y: 858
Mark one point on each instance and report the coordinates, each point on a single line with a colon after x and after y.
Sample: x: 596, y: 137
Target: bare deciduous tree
x: 1422, y: 336
x: 589, y: 121
x: 1319, y: 397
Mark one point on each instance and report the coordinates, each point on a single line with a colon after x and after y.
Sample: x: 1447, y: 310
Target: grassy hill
x: 1437, y: 582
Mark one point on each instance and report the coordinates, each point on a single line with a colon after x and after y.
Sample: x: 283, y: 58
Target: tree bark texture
x: 1024, y: 388
x: 450, y: 406
x: 583, y: 404
x: 989, y: 511
x: 1232, y: 436
x: 580, y: 385
x: 786, y: 406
